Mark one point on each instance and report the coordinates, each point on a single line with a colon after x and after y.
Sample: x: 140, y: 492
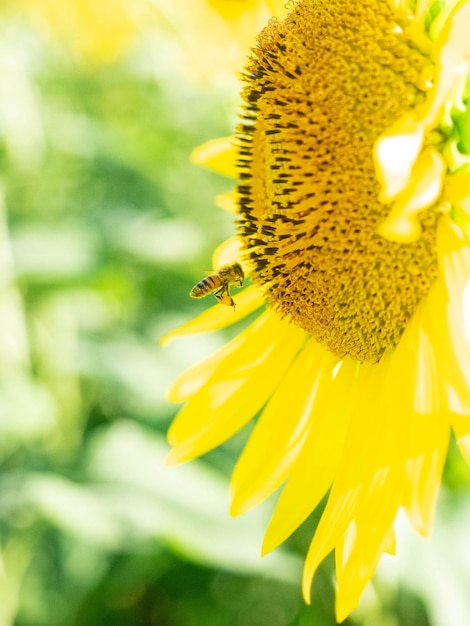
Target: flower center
x: 320, y: 88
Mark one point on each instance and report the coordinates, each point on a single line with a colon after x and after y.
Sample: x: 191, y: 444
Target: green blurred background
x: 104, y: 227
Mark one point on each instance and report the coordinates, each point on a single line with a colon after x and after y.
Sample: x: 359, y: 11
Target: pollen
x: 319, y: 89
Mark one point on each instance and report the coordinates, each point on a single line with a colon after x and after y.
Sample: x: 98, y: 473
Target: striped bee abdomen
x: 205, y: 286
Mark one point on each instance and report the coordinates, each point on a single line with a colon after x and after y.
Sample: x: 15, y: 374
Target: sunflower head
x: 320, y: 89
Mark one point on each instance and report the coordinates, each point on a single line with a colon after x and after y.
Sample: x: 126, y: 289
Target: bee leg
x: 224, y: 297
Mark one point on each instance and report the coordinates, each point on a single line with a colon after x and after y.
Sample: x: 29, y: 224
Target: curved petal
x: 366, y: 539
x: 228, y: 252
x: 452, y: 54
x: 422, y: 417
x: 449, y: 305
x: 398, y: 148
x: 317, y: 462
x: 447, y: 319
x: 390, y: 545
x: 357, y: 469
x: 278, y: 8
x: 280, y: 431
x: 457, y: 191
x: 218, y: 155
x: 218, y: 316
x: 402, y: 223
x: 237, y: 388
x: 227, y: 201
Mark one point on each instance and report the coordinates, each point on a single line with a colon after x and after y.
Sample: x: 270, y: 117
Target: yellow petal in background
x: 227, y: 202
x: 237, y: 389
x: 230, y: 10
x: 218, y: 155
x: 98, y: 31
x: 244, y: 18
x: 278, y: 8
x: 280, y: 431
x: 215, y: 36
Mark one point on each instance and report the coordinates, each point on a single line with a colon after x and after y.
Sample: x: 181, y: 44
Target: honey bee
x: 219, y: 282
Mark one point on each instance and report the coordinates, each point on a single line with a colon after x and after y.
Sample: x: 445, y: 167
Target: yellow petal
x: 447, y: 319
x: 377, y: 494
x: 390, y: 545
x: 227, y: 201
x: 231, y: 10
x: 218, y: 155
x: 424, y: 416
x: 278, y: 8
x: 366, y: 539
x: 421, y: 9
x: 402, y: 223
x: 452, y: 54
x: 280, y: 431
x: 430, y: 436
x: 457, y: 191
x: 219, y: 316
x: 228, y: 252
x: 461, y: 428
x: 395, y: 154
x: 451, y: 28
x: 357, y: 465
x: 426, y: 451
x: 316, y: 465
x: 244, y: 18
x: 451, y: 303
x: 192, y: 379
x: 237, y: 389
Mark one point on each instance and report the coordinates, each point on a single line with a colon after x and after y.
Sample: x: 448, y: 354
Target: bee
x: 219, y: 282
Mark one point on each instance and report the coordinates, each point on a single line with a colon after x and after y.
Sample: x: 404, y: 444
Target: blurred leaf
x: 75, y: 509
x: 28, y: 412
x: 191, y: 512
x: 55, y: 252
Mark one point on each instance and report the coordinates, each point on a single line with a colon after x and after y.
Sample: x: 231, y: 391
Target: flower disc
x: 320, y: 89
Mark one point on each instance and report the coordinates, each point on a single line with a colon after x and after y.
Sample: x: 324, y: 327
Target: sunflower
x: 353, y: 202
